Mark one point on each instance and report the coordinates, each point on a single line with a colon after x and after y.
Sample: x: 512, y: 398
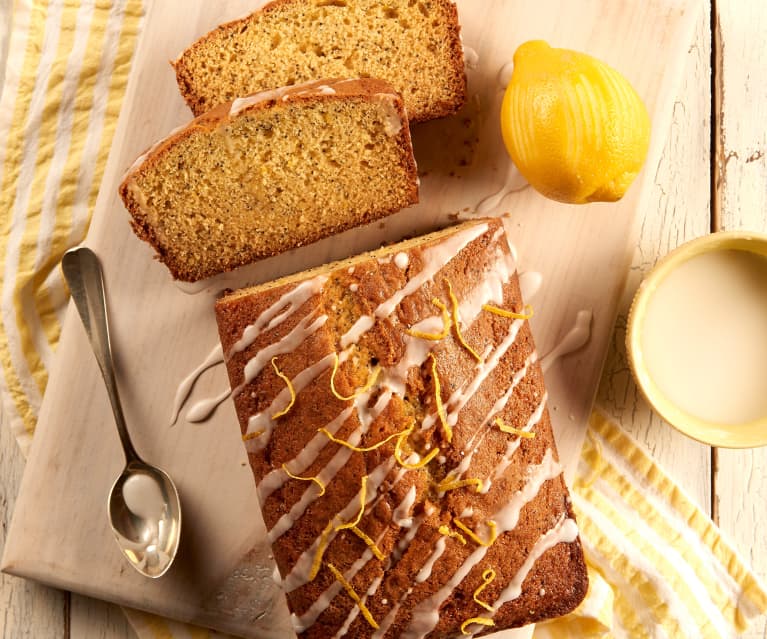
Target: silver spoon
x: 144, y: 507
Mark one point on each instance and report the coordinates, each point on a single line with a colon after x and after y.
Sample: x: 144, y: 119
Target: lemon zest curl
x: 351, y: 592
x: 457, y: 323
x: 510, y: 314
x: 445, y: 530
x: 368, y: 385
x: 480, y: 620
x: 487, y: 578
x: 474, y: 537
x: 314, y: 479
x: 286, y: 379
x: 445, y: 324
x: 513, y: 431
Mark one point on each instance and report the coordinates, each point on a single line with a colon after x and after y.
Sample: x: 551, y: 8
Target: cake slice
x: 271, y: 172
x: 415, y: 45
x: 394, y: 414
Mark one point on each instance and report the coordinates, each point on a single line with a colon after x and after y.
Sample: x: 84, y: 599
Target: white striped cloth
x: 659, y: 567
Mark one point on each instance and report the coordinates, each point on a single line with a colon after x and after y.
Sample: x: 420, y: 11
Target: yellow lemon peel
x: 445, y: 325
x: 438, y: 398
x: 513, y: 431
x: 575, y: 127
x: 363, y: 499
x: 457, y: 322
x: 253, y: 435
x: 398, y: 453
x: 452, y: 484
x: 359, y: 449
x: 321, y: 547
x: 474, y: 537
x: 487, y: 578
x: 351, y: 592
x: 285, y: 378
x: 371, y: 380
x: 314, y: 479
x: 445, y: 530
x: 369, y: 542
x: 510, y: 314
x: 484, y: 621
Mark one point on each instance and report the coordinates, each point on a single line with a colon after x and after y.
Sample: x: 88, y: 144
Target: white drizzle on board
x: 575, y: 338
x: 215, y: 357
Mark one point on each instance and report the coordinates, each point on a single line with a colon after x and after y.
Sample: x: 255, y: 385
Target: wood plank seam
x: 718, y: 169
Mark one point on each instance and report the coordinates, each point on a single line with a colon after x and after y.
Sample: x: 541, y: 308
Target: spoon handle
x: 82, y: 271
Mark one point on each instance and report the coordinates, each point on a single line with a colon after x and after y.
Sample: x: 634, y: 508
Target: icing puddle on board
x: 704, y: 336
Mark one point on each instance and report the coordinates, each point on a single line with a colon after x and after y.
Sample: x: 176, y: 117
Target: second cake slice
x: 272, y: 172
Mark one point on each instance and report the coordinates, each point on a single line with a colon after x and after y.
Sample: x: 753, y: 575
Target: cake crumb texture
x: 390, y: 493
x: 272, y: 172
x: 413, y: 44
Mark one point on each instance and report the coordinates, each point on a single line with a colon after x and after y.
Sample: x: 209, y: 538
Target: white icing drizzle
x: 504, y: 75
x: 304, y: 621
x: 216, y: 356
x: 460, y: 397
x: 401, y: 516
x: 392, y: 122
x: 530, y: 283
x: 476, y: 439
x: 289, y: 303
x: 434, y: 258
x: 565, y: 530
x: 576, y: 337
x: 358, y: 329
x: 284, y: 93
x: 263, y: 420
x: 355, y: 611
x: 299, y: 574
x: 202, y: 409
x: 514, y: 443
x: 513, y: 183
x: 388, y: 620
x: 276, y: 478
x: 287, y: 344
x: 426, y: 613
x: 470, y: 57
x: 401, y: 260
x: 301, y: 623
x: 326, y: 90
x: 425, y: 571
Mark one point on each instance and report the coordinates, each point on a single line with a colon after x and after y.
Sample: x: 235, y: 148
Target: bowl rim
x: 751, y: 434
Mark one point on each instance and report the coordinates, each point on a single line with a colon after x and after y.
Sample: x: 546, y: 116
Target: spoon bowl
x: 144, y: 507
x: 145, y: 517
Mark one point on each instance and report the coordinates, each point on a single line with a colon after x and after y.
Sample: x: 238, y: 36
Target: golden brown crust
x: 354, y: 289
x: 366, y: 89
x: 451, y: 92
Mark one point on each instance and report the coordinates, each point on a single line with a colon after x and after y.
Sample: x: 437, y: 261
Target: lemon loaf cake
x: 394, y: 413
x: 271, y: 172
x: 415, y: 45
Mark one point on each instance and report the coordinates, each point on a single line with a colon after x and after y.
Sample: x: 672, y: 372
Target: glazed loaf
x: 272, y: 172
x: 416, y: 462
x: 414, y: 45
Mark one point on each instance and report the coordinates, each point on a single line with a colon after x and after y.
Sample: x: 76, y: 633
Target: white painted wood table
x: 712, y: 175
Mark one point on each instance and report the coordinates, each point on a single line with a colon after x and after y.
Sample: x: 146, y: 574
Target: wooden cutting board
x: 222, y: 578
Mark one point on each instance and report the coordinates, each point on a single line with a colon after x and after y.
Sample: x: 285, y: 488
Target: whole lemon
x: 575, y: 128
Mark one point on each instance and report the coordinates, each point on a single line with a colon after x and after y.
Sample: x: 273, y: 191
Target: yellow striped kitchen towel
x: 659, y: 567
x: 66, y: 71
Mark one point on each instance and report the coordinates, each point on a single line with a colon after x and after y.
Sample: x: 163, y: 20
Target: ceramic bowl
x: 746, y: 435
